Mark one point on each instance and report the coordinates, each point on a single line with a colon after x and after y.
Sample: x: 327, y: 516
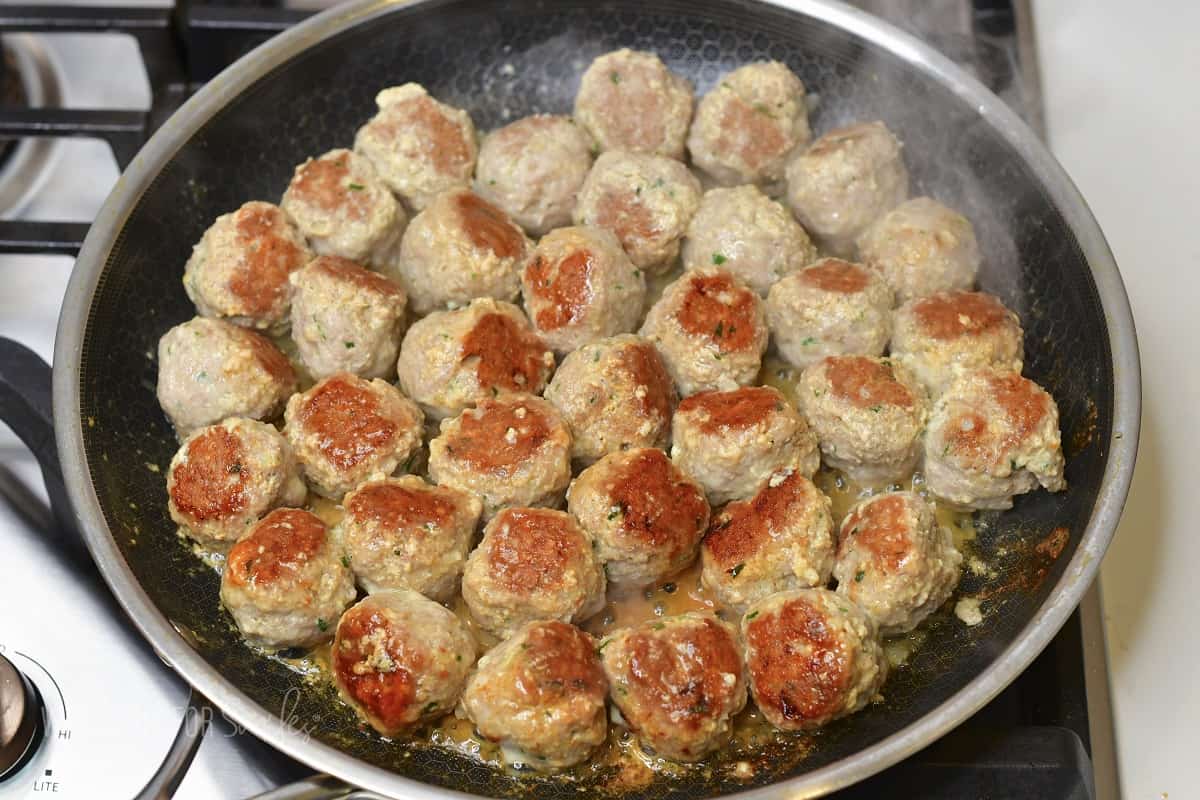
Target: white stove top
x: 112, y: 709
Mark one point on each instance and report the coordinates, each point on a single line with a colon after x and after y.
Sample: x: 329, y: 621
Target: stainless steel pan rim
x: 1078, y: 575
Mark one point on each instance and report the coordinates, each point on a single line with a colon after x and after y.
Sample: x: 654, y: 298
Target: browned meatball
x: 239, y: 269
x: 645, y: 515
x: 811, y: 657
x: 402, y: 533
x: 580, y: 287
x: 615, y: 395
x: 678, y: 682
x: 533, y: 563
x: 226, y: 476
x: 894, y: 560
x: 514, y: 450
x: 400, y: 659
x: 781, y: 538
x: 711, y: 330
x: 284, y: 581
x: 942, y: 336
x: 731, y: 442
x: 540, y: 694
x: 347, y: 430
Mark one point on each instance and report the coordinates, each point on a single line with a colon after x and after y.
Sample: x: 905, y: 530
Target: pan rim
x: 174, y: 650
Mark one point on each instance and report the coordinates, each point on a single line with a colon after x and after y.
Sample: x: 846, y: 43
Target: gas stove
x: 88, y: 709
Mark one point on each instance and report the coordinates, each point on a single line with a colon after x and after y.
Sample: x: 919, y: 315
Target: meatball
x: 811, y: 657
x: 419, y: 147
x: 748, y: 234
x: 402, y: 533
x: 347, y: 430
x: 284, y: 582
x: 226, y: 476
x: 540, y: 694
x: 750, y: 124
x: 845, y: 181
x: 209, y: 369
x: 614, y: 395
x: 946, y: 334
x: 731, y: 442
x: 993, y: 434
x: 344, y: 209
x: 781, y: 538
x: 710, y: 329
x: 346, y: 319
x: 677, y: 682
x: 514, y: 450
x: 629, y: 100
x: 831, y: 308
x: 868, y: 413
x: 895, y: 562
x: 580, y: 286
x: 646, y: 200
x: 532, y: 170
x: 644, y: 514
x: 459, y: 248
x: 452, y: 359
x: 239, y: 269
x: 921, y: 247
x: 533, y: 564
x: 400, y: 659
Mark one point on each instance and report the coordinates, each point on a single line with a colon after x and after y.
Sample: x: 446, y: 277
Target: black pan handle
x: 26, y: 407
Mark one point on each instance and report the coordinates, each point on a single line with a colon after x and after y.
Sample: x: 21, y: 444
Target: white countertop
x: 1122, y: 112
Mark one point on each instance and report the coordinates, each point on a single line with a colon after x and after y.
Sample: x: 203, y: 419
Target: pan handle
x: 26, y: 407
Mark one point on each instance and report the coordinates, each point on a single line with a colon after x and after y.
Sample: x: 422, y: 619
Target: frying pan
x: 309, y: 89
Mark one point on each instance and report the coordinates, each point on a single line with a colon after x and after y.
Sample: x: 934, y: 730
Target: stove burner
x: 30, y: 79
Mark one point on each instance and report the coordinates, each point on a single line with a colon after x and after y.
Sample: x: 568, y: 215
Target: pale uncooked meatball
x: 226, y: 476
x: 239, y: 269
x: 832, y: 308
x: 946, y: 334
x: 811, y: 657
x: 845, y: 181
x: 514, y: 450
x: 678, y: 682
x: 781, y: 538
x: 346, y: 319
x: 993, y: 434
x: 644, y: 514
x: 629, y: 100
x: 614, y: 395
x: 284, y: 581
x: 921, y: 247
x: 344, y: 209
x: 580, y: 286
x: 731, y: 442
x: 532, y: 170
x: 533, y: 564
x: 711, y: 330
x: 646, y: 200
x: 459, y: 248
x: 895, y: 562
x: 400, y: 659
x: 419, y: 146
x: 452, y: 359
x: 747, y: 233
x: 868, y: 413
x: 403, y: 533
x: 540, y: 694
x: 750, y: 124
x: 209, y: 369
x: 347, y: 430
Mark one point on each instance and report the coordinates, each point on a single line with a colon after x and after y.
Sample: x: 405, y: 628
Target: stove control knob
x: 22, y: 721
